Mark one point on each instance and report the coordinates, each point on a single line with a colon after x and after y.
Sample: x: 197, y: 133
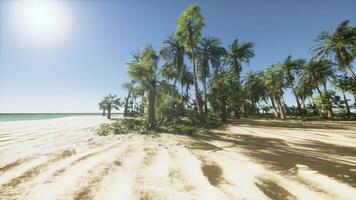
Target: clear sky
x: 68, y: 57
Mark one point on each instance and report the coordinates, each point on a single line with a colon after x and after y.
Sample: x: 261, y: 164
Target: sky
x: 65, y: 56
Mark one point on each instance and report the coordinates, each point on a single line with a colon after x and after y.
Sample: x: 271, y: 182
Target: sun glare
x: 41, y: 22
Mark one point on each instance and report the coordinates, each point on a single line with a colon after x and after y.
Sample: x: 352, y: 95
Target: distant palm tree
x: 316, y: 73
x: 209, y: 52
x: 339, y: 44
x: 273, y: 80
x: 292, y: 70
x: 102, y: 106
x: 341, y: 83
x: 238, y: 53
x: 173, y: 54
x: 111, y: 102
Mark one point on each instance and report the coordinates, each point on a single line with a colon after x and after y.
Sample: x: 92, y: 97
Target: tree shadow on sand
x: 296, y: 124
x: 278, y: 155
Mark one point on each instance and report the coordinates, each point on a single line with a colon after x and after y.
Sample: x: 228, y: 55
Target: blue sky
x: 73, y: 75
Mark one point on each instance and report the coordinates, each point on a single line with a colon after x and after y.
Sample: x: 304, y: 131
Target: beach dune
x: 64, y: 158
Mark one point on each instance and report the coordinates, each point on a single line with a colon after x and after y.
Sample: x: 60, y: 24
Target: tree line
x: 161, y: 81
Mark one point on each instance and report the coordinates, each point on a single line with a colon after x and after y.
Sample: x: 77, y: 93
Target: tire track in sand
x: 7, y: 189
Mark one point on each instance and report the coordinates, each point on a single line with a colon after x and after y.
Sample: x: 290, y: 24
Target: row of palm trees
x: 160, y: 81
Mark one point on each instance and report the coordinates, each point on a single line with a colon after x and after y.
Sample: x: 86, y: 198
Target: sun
x: 42, y: 21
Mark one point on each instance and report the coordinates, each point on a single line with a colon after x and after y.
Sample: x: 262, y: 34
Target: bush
x: 182, y: 129
x: 104, y: 129
x: 122, y: 126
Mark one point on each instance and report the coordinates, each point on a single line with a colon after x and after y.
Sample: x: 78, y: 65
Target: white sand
x: 64, y: 159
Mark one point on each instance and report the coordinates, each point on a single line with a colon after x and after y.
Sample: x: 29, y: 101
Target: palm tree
x: 111, y: 102
x: 316, y: 73
x: 190, y: 24
x: 209, y: 52
x: 173, y: 54
x: 292, y: 70
x: 128, y: 86
x: 339, y: 45
x: 254, y: 88
x: 147, y: 73
x: 341, y: 83
x: 187, y: 81
x: 102, y: 106
x: 237, y: 53
x: 273, y: 80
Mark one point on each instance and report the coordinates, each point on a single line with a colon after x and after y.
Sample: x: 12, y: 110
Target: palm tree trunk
x: 329, y: 111
x: 151, y: 105
x: 348, y: 113
x: 103, y: 111
x: 109, y: 112
x: 276, y: 114
x: 297, y: 100
x: 205, y: 97
x: 223, y: 109
x: 352, y: 72
x: 181, y: 92
x: 280, y: 108
x: 142, y: 109
x: 127, y: 102
x: 196, y: 89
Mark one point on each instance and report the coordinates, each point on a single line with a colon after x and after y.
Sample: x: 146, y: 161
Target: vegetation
x: 159, y: 86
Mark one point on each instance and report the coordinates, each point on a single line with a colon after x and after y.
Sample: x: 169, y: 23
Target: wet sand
x: 251, y: 159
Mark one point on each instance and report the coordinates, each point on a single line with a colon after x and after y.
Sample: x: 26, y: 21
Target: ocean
x: 39, y: 116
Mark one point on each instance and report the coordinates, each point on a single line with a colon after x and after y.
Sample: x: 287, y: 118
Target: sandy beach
x: 64, y: 159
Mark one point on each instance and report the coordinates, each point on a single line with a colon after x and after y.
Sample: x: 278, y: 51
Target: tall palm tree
x: 147, y: 73
x: 339, y: 45
x: 209, y: 55
x: 190, y: 24
x: 292, y: 70
x: 187, y: 81
x: 173, y: 54
x: 316, y: 73
x: 237, y: 53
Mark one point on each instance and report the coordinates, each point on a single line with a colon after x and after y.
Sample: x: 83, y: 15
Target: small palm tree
x: 102, y: 106
x: 111, y: 102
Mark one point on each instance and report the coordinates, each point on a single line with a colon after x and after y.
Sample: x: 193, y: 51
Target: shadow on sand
x: 276, y: 154
x: 344, y: 125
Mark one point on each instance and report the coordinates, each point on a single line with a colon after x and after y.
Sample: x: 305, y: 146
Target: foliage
x: 122, y: 126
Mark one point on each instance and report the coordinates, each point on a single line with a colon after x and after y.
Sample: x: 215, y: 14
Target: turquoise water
x: 39, y: 116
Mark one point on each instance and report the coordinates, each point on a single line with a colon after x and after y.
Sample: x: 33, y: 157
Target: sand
x: 253, y: 159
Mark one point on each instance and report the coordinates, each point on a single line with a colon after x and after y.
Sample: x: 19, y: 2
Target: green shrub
x: 182, y: 129
x: 104, y: 129
x: 122, y: 126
